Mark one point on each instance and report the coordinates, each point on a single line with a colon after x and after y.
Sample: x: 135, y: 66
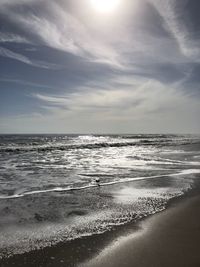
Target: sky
x: 71, y: 66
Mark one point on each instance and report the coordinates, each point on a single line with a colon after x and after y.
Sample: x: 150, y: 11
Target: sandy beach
x: 170, y: 238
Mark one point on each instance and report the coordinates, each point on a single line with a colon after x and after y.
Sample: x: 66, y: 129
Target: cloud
x: 24, y: 82
x: 15, y: 2
x: 91, y: 100
x: 117, y: 43
x: 55, y: 27
x: 173, y: 14
x: 12, y: 38
x: 4, y: 52
x: 120, y: 44
x: 141, y: 101
x: 148, y: 107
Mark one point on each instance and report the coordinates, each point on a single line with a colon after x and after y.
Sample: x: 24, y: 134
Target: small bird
x: 97, y: 181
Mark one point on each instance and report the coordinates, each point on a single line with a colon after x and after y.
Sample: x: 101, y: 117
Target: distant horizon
x: 139, y: 133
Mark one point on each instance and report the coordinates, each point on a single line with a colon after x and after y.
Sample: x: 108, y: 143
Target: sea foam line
x: 61, y: 189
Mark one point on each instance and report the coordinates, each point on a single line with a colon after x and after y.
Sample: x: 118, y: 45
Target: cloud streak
x: 12, y: 38
x: 172, y: 13
x: 4, y: 52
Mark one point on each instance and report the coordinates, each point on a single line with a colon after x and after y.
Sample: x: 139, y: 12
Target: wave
x: 144, y: 142
x: 69, y: 147
x: 151, y: 136
x: 93, y: 185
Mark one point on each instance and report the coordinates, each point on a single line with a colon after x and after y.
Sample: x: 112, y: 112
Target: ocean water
x: 48, y: 189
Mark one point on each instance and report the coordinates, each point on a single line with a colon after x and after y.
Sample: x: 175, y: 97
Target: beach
x: 168, y: 238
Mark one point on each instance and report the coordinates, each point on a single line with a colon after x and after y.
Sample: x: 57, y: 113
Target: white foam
x: 63, y: 189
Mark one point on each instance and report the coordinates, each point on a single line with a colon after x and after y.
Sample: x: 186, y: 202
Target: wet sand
x: 170, y: 238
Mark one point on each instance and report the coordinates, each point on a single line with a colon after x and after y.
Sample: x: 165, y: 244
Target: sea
x: 56, y: 188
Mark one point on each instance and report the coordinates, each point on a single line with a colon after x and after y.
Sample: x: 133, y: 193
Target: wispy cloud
x: 138, y: 102
x: 15, y: 2
x: 116, y: 110
x: 24, y: 82
x: 172, y: 13
x: 12, y: 38
x: 61, y: 30
x: 118, y: 45
x: 4, y: 52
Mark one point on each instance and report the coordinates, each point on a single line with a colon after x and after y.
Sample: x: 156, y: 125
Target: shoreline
x: 169, y: 238
x: 78, y: 252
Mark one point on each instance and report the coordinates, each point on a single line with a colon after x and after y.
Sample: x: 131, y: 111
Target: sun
x: 105, y: 6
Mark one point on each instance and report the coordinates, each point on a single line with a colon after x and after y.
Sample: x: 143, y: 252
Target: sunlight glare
x: 105, y: 6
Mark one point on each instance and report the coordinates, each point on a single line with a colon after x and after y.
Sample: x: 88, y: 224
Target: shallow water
x: 48, y: 191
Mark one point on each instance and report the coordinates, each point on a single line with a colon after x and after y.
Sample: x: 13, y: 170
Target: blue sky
x: 67, y: 68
